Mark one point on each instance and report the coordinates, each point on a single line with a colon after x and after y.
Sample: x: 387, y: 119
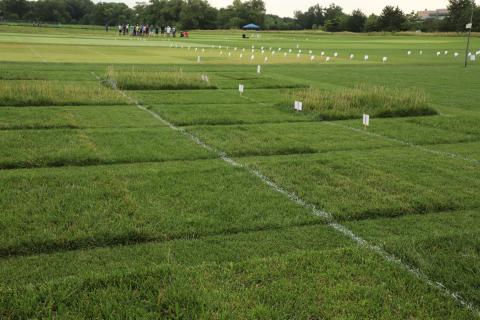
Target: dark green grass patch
x: 349, y: 283
x: 224, y: 114
x: 445, y: 246
x: 351, y: 103
x: 376, y: 183
x: 141, y: 79
x: 285, y: 138
x: 45, y: 210
x: 236, y: 247
x: 75, y: 117
x: 40, y: 148
x: 50, y: 93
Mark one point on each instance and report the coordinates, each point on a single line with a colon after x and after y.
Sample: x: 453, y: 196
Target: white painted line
x: 325, y: 216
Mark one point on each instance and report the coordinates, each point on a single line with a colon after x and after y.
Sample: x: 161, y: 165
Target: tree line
x: 199, y: 14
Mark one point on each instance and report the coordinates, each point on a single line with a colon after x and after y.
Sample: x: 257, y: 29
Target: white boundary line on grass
x: 325, y: 216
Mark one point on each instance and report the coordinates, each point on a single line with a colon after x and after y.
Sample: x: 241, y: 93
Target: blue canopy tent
x: 251, y: 26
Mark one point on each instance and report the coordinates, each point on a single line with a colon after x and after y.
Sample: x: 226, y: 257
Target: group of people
x: 148, y: 30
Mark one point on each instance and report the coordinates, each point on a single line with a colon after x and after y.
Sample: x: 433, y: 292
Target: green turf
x: 40, y: 148
x: 142, y: 222
x: 75, y: 117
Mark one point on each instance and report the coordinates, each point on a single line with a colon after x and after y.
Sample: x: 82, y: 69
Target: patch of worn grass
x: 142, y: 79
x: 51, y: 93
x: 349, y: 103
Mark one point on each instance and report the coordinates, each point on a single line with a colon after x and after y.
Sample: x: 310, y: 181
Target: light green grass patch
x: 224, y: 114
x: 75, y: 117
x: 196, y: 97
x: 285, y: 138
x: 351, y: 103
x: 142, y: 79
x: 49, y: 93
x: 40, y: 148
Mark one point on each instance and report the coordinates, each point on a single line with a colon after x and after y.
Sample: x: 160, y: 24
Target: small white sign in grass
x: 259, y: 69
x: 366, y: 120
x: 438, y: 53
x: 199, y: 59
x: 366, y: 57
x: 352, y: 56
x: 322, y: 53
x: 409, y: 53
x: 298, y: 106
x: 385, y: 59
x: 241, y: 88
x: 456, y: 54
x: 335, y: 54
x: 327, y: 59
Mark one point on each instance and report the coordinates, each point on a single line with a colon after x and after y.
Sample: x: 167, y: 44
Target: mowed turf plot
x: 137, y: 182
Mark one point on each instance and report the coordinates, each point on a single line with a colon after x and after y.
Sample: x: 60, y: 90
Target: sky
x: 285, y: 8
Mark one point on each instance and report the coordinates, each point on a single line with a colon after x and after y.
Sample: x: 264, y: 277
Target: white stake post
x: 259, y: 69
x: 241, y: 88
x: 366, y: 120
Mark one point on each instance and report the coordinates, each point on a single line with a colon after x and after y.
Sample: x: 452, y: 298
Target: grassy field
x: 136, y: 181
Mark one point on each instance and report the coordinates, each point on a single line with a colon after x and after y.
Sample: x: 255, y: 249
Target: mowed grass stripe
x: 47, y: 210
x: 18, y: 271
x: 443, y: 245
x: 346, y: 283
x: 47, y: 148
x: 74, y: 117
x: 376, y: 183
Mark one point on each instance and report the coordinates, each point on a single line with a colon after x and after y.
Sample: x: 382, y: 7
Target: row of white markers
x: 472, y: 55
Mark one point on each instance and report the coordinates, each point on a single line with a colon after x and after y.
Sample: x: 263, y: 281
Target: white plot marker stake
x: 385, y: 59
x: 298, y: 106
x: 259, y: 69
x: 241, y: 88
x: 198, y: 59
x: 366, y: 120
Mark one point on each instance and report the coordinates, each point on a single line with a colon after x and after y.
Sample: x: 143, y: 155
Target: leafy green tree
x: 51, y: 11
x: 15, y: 9
x: 392, y: 19
x: 371, y: 25
x: 356, y: 21
x: 459, y: 15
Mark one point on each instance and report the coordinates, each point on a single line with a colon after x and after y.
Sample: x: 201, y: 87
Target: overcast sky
x: 285, y: 8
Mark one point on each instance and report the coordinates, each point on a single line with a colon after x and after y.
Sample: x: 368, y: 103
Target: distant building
x: 433, y: 14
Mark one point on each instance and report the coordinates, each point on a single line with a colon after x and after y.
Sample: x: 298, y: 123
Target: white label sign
x: 259, y: 69
x: 241, y: 88
x: 469, y: 26
x: 298, y: 106
x: 366, y: 120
